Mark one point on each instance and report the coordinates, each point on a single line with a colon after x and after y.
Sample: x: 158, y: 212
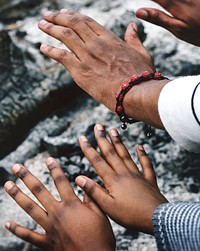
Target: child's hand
x: 132, y: 196
x: 69, y: 224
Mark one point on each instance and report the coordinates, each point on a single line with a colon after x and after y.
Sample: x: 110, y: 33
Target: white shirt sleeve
x: 179, y: 110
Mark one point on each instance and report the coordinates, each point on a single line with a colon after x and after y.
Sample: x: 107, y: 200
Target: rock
x: 28, y: 93
x: 119, y: 25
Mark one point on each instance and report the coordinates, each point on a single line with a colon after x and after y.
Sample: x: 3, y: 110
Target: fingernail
x: 7, y: 225
x: 43, y: 22
x: 80, y: 181
x: 141, y: 148
x: 99, y: 127
x: 144, y: 14
x: 43, y: 46
x: 16, y: 168
x: 8, y: 185
x: 48, y: 13
x: 49, y: 161
x: 114, y: 132
x: 63, y: 10
x: 83, y: 138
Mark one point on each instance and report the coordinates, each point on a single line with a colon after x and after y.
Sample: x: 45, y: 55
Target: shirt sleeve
x: 179, y: 110
x: 177, y: 226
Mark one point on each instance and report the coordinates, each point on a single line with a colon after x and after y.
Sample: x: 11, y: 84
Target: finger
x: 94, y: 191
x: 89, y: 202
x: 98, y: 163
x: 27, y: 204
x: 61, y: 55
x: 97, y: 28
x: 160, y: 18
x: 131, y: 36
x: 34, y: 185
x: 108, y: 151
x: 72, y: 20
x: 27, y: 234
x: 122, y: 151
x: 65, y: 35
x: 60, y: 180
x: 147, y: 167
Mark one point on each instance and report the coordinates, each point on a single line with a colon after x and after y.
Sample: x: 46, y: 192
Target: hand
x: 69, y: 224
x: 131, y: 196
x: 184, y: 22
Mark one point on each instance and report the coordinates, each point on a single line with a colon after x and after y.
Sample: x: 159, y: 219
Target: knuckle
x: 66, y: 32
x: 37, y: 189
x: 54, y: 15
x: 74, y: 20
x: 29, y: 207
x: 14, y: 191
x: 49, y: 26
x: 62, y: 54
x: 22, y: 173
x: 88, y: 19
x: 110, y: 152
x: 59, y: 179
x: 97, y: 159
x: 90, y: 188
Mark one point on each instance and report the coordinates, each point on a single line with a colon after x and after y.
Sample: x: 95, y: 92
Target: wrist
x: 141, y: 102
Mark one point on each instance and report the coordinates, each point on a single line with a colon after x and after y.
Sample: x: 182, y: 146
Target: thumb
x: 89, y: 203
x: 95, y: 192
x: 160, y: 18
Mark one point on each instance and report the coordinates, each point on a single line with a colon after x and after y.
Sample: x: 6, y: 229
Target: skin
x: 183, y: 21
x: 100, y: 62
x: 69, y: 224
x: 132, y: 196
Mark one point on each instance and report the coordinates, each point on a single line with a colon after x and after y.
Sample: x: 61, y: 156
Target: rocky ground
x: 42, y: 112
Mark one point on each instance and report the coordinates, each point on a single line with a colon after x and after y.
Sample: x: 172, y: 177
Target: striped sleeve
x: 179, y: 110
x: 177, y: 226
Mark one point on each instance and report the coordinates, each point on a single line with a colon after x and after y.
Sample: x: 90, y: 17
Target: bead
x: 146, y: 74
x: 116, y: 95
x: 119, y: 108
x: 157, y: 75
x: 125, y: 85
x: 134, y: 78
x: 123, y: 126
x: 121, y: 97
x: 123, y: 119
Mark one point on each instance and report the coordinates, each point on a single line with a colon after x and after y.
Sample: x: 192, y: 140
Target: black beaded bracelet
x: 126, y: 86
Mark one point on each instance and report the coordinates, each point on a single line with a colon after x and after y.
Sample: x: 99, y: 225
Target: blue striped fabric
x: 177, y: 226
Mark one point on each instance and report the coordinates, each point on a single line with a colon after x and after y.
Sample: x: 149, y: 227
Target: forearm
x: 141, y: 102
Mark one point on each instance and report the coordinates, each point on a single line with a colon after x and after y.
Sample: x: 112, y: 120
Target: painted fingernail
x: 99, y: 127
x: 16, y: 168
x: 63, y: 10
x: 8, y: 185
x: 7, y: 225
x: 43, y: 22
x: 80, y: 181
x: 48, y: 13
x: 114, y: 132
x: 83, y: 138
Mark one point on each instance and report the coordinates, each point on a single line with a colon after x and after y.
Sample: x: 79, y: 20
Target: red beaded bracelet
x: 126, y: 86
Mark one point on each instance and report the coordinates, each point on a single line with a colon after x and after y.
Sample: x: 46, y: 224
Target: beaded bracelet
x: 126, y: 86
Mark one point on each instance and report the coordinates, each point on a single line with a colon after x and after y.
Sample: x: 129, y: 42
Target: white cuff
x: 179, y: 110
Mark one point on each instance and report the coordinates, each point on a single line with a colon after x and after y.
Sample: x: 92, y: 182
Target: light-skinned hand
x: 182, y: 20
x: 131, y: 197
x: 69, y: 224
